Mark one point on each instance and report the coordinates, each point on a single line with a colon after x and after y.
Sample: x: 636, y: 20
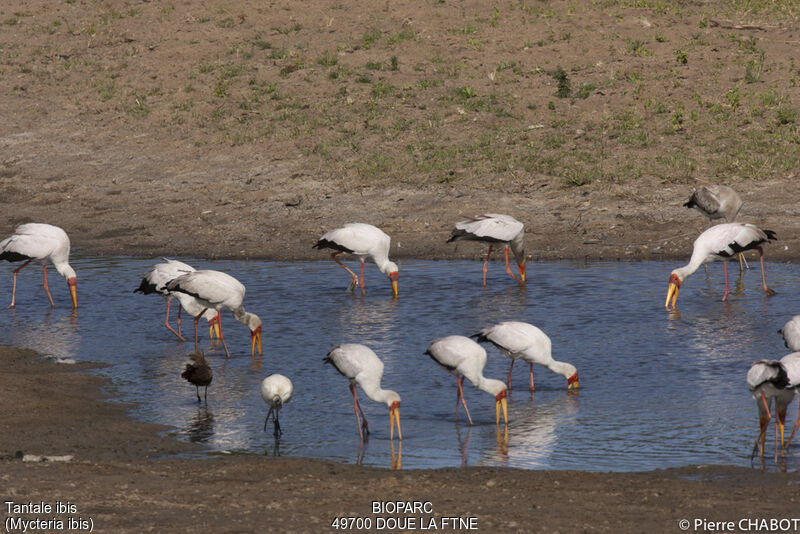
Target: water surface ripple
x: 658, y: 389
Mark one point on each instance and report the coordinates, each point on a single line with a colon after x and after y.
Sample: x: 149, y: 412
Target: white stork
x: 39, y: 243
x: 791, y: 362
x: 770, y: 379
x: 521, y: 340
x: 276, y: 390
x: 721, y: 242
x: 216, y: 290
x: 494, y: 228
x: 791, y: 333
x: 360, y: 365
x: 463, y: 357
x: 155, y: 281
x: 363, y: 241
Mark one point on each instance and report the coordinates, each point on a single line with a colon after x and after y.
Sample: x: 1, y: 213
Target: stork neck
x: 561, y: 368
x: 64, y: 269
x: 489, y: 385
x: 699, y: 257
x: 518, y: 248
x: 378, y: 394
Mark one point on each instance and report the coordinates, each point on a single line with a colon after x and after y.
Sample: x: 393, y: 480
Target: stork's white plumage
x: 791, y: 363
x: 276, y: 390
x: 156, y: 280
x: 716, y: 202
x: 791, y: 333
x: 360, y: 365
x: 363, y: 241
x: 720, y: 243
x: 521, y: 340
x: 463, y: 357
x: 40, y: 243
x: 216, y: 290
x: 768, y: 380
x: 495, y: 228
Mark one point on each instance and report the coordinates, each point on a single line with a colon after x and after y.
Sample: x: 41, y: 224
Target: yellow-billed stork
x: 462, y: 357
x: 363, y: 241
x: 360, y: 365
x: 40, y: 243
x: 495, y: 228
x: 216, y: 290
x: 521, y: 340
x: 155, y: 281
x: 720, y: 243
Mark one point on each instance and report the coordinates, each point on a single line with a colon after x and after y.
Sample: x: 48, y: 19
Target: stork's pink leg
x: 486, y: 264
x: 727, y: 287
x: 166, y: 323
x: 463, y: 401
x: 531, y: 366
x: 510, y: 367
x: 179, y: 319
x: 221, y: 335
x: 343, y: 266
x: 508, y: 269
x: 14, y: 284
x: 357, y: 409
x: 767, y: 290
x: 195, y: 327
x: 46, y: 288
x: 794, y: 429
x: 362, y: 278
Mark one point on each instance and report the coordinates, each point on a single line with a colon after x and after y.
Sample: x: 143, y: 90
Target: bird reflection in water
x: 58, y: 338
x: 201, y: 427
x: 397, y: 461
x: 462, y: 443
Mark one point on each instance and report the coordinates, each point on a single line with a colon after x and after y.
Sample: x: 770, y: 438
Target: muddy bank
x: 125, y: 477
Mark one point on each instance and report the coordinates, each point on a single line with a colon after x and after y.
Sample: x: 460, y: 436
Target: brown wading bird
x: 717, y: 202
x: 199, y: 373
x: 495, y: 228
x: 39, y: 243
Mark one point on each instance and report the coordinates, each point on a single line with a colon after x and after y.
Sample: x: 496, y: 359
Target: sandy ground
x: 124, y: 477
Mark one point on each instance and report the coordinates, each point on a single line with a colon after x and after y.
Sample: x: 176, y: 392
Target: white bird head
x: 675, y: 281
x: 253, y: 322
x: 394, y: 273
x: 500, y: 391
x: 392, y: 400
x: 571, y: 373
x: 72, y: 281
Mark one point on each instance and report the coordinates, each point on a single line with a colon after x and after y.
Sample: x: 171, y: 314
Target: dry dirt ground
x: 247, y: 129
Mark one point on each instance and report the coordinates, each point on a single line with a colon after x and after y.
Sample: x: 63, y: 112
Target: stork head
x: 672, y: 290
x: 500, y: 401
x: 394, y: 274
x: 394, y: 414
x: 254, y: 324
x: 572, y: 381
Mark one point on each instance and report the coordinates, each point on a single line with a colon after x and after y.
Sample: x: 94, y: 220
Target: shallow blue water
x: 658, y: 389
